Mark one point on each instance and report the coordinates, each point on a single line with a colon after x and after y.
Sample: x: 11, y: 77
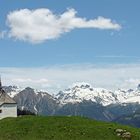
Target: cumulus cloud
x: 58, y: 78
x: 39, y: 25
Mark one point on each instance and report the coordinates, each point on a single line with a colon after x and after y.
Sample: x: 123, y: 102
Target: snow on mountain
x: 84, y: 91
x: 12, y: 90
x: 79, y: 92
x: 39, y: 102
x: 134, y: 99
x: 133, y: 96
x: 128, y: 96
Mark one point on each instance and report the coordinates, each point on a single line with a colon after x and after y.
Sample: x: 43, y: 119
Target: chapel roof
x: 4, y: 97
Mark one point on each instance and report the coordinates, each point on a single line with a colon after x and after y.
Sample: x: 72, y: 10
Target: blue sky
x: 76, y: 45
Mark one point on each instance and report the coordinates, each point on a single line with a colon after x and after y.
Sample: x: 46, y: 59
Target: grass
x: 60, y: 128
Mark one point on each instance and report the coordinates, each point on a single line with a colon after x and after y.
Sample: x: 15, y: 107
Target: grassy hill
x: 60, y: 128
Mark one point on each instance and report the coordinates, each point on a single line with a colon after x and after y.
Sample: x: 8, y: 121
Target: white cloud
x: 28, y: 80
x: 39, y: 25
x: 58, y: 78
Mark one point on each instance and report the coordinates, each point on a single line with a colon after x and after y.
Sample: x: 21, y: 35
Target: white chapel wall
x: 8, y: 110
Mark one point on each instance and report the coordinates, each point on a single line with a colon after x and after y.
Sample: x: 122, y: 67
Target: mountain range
x: 81, y: 99
x: 84, y: 91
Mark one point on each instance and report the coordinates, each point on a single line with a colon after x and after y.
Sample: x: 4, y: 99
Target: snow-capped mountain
x: 80, y: 99
x: 84, y: 91
x: 80, y: 92
x: 128, y: 96
x: 12, y: 90
x: 37, y: 101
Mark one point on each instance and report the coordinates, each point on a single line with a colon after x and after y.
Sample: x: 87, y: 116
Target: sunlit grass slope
x: 60, y: 128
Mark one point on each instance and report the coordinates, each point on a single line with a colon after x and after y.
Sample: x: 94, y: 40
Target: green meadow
x: 61, y: 128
